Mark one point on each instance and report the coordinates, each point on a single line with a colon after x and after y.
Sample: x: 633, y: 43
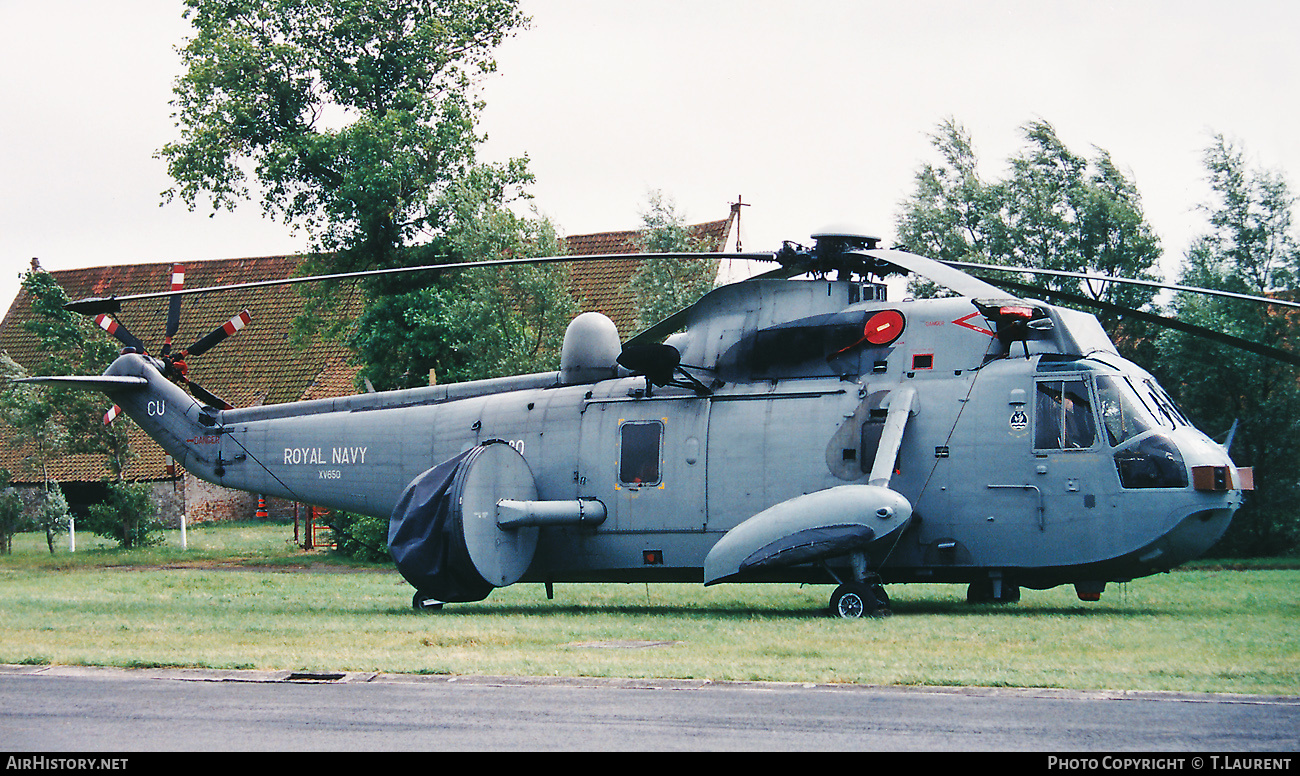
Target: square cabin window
x: 1064, y: 419
x: 639, y: 448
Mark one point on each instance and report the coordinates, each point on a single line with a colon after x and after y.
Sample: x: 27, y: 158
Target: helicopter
x: 795, y: 427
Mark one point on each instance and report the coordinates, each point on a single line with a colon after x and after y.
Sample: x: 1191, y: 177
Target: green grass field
x: 1212, y: 628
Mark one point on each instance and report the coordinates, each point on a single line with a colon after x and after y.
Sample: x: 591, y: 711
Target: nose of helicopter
x: 1216, y: 490
x: 1191, y: 537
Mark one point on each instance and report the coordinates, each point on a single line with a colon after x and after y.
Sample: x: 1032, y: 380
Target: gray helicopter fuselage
x: 1045, y: 460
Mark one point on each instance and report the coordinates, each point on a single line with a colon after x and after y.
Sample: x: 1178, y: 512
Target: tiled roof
x: 259, y: 365
x: 601, y: 286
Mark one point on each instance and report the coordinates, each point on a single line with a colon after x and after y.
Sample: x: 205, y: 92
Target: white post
x: 72, y: 534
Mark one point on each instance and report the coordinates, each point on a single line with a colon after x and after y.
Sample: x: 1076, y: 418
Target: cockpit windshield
x: 1165, y: 404
x: 1129, y: 412
x: 1123, y: 413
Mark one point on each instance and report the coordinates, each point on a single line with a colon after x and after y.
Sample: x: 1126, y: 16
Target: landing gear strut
x: 863, y: 597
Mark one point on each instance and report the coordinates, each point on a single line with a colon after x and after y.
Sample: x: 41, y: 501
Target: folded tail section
x: 161, y: 408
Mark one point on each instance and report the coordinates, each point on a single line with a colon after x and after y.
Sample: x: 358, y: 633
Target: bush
x: 362, y: 537
x: 129, y: 516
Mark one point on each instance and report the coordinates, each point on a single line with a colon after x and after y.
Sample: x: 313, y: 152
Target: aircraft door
x: 1070, y: 470
x: 644, y: 459
x: 983, y: 502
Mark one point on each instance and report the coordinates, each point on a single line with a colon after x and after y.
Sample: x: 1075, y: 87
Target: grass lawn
x: 1212, y: 628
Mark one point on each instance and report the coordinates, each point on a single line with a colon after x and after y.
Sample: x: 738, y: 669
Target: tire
x: 982, y: 593
x: 421, y: 602
x: 854, y: 601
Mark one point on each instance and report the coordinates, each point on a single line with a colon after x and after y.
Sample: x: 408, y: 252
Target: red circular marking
x: 883, y: 327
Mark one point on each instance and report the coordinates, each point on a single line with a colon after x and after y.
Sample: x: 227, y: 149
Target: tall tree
x: 70, y: 345
x: 662, y: 286
x: 354, y: 115
x: 51, y: 421
x: 949, y: 215
x: 1250, y: 247
x: 476, y: 323
x: 12, y: 517
x: 355, y: 119
x: 1055, y: 210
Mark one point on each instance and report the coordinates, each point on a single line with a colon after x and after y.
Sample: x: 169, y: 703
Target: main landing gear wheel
x: 985, y: 592
x: 855, y: 599
x: 423, y: 603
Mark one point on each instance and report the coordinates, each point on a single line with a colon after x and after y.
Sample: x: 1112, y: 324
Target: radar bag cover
x: 426, y: 537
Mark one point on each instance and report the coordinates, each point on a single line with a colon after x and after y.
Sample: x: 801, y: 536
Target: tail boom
x: 161, y: 408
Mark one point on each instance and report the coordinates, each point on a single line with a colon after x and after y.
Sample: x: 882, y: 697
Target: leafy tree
x: 357, y: 120
x: 35, y: 416
x: 950, y: 214
x: 360, y: 536
x: 1250, y: 248
x: 12, y: 517
x: 662, y: 286
x: 480, y: 322
x: 54, y: 421
x: 52, y: 515
x: 353, y: 114
x: 1055, y: 210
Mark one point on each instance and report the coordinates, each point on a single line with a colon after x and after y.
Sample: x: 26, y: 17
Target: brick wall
x: 206, y: 503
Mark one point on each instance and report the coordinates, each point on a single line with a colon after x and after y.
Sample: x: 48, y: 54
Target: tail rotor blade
x: 111, y: 415
x: 174, y: 307
x: 119, y: 332
x: 227, y: 329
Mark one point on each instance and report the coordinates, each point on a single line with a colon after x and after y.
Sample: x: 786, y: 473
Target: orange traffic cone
x: 261, y: 508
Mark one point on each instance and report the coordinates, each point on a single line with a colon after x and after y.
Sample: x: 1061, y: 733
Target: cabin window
x: 639, y: 452
x: 1063, y: 418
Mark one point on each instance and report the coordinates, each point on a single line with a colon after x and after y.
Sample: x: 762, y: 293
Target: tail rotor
x: 174, y: 366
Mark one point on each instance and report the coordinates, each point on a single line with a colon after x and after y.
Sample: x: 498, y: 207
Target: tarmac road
x: 48, y: 710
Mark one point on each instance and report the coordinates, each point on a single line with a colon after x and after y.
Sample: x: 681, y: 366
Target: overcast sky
x: 815, y: 112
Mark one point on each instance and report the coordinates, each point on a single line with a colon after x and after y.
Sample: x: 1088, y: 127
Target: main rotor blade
x: 1217, y: 336
x: 218, y: 334
x: 119, y: 332
x: 1127, y: 281
x: 936, y: 271
x: 95, y: 304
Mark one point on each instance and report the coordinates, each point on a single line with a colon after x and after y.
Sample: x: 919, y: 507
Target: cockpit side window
x: 639, y: 452
x: 1063, y: 415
